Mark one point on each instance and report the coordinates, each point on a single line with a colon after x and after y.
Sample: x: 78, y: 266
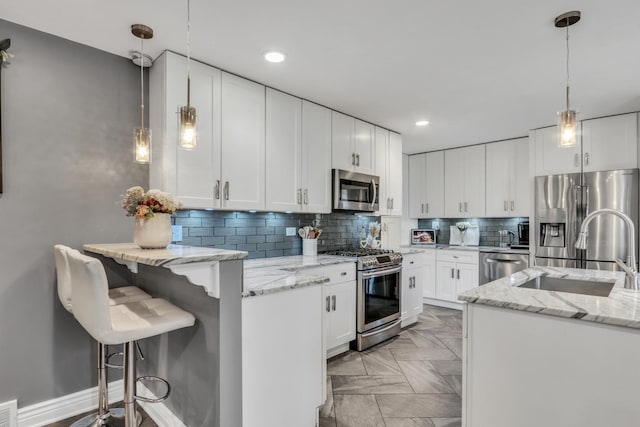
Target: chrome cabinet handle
x: 353, y: 159
x: 513, y: 205
x: 411, y: 262
x: 465, y: 207
x: 344, y: 273
x: 427, y: 205
x: 388, y: 203
x: 452, y: 274
x: 576, y: 160
x: 216, y: 191
x: 333, y: 302
x: 506, y: 207
x: 458, y: 271
x: 328, y: 306
x: 459, y: 206
x: 226, y: 190
x: 357, y: 159
x: 422, y: 211
x: 299, y: 196
x: 392, y: 203
x: 586, y: 159
x: 306, y: 196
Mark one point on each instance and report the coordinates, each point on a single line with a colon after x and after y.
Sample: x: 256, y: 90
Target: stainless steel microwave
x: 353, y: 191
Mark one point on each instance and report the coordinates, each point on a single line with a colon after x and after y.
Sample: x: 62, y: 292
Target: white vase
x: 153, y: 233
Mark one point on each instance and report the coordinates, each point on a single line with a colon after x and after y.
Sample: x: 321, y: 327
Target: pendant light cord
x: 568, y: 106
x: 142, y: 83
x: 188, y: 54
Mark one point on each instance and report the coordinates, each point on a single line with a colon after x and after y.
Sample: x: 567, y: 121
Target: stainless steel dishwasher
x: 495, y: 265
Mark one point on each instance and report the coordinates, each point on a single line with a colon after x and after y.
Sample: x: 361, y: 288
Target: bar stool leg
x: 130, y: 384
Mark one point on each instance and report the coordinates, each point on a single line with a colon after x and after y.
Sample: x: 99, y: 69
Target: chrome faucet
x: 632, y: 280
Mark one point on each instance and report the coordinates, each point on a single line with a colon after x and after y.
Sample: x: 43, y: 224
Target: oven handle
x: 385, y: 272
x: 377, y: 331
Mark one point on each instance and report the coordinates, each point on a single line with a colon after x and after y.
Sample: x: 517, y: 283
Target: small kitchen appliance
x: 356, y: 192
x: 423, y: 236
x: 379, y: 282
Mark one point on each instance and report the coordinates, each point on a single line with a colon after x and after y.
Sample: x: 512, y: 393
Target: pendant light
x: 568, y: 119
x: 142, y: 135
x: 188, y: 134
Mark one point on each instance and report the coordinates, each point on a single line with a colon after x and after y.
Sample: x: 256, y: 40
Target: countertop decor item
x: 374, y: 233
x: 309, y: 236
x: 152, y: 211
x: 463, y: 227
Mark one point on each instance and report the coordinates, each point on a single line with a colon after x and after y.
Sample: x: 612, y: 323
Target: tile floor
x: 412, y: 380
x: 146, y: 421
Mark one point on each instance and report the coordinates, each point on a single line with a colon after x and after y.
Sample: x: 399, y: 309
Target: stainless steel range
x: 378, y: 295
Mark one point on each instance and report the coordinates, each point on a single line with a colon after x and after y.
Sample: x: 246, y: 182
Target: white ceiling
x: 479, y: 71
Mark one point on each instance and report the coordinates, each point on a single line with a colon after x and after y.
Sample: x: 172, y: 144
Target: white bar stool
x: 124, y: 294
x: 120, y: 324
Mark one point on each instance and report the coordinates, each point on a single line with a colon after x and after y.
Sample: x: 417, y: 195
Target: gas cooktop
x: 358, y: 252
x: 369, y: 259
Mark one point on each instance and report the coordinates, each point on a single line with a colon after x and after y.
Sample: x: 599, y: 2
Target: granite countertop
x: 170, y: 256
x: 408, y: 249
x: 269, y: 275
x: 620, y: 308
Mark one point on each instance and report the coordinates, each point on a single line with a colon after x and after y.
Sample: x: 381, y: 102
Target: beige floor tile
x: 448, y: 367
x: 420, y: 405
x: 381, y: 362
x: 447, y: 422
x: 455, y: 381
x: 422, y: 354
x: 349, y: 363
x: 385, y: 384
x: 357, y: 411
x: 423, y: 377
x: 425, y: 339
x: 408, y: 422
x: 327, y: 422
x: 454, y: 344
x: 327, y: 410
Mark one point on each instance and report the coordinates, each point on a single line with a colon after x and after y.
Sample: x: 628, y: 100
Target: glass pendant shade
x: 568, y: 128
x: 188, y: 132
x: 142, y: 145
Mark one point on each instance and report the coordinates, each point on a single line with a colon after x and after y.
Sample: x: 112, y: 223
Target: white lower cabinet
x: 457, y: 271
x: 338, y: 306
x: 414, y: 274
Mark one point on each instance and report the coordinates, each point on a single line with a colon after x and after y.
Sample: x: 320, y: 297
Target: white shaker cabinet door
x: 610, y: 143
x: 243, y: 144
x: 446, y: 284
x: 550, y: 159
x: 417, y: 185
x: 454, y: 170
x: 467, y: 278
x: 316, y: 158
x: 364, y: 147
x: 343, y: 155
x: 429, y: 283
x: 381, y: 169
x: 499, y: 157
x: 341, y: 303
x: 394, y: 173
x: 434, y: 187
x: 474, y: 181
x: 283, y: 152
x: 519, y: 188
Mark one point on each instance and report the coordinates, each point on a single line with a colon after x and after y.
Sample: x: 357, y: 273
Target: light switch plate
x: 176, y: 233
x: 435, y: 225
x: 291, y: 231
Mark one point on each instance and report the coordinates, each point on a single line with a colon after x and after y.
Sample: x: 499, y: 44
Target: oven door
x: 378, y: 297
x: 354, y: 191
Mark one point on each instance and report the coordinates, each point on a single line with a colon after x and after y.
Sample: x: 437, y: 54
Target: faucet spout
x: 632, y: 281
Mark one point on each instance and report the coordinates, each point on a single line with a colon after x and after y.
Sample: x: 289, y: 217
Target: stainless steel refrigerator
x: 563, y: 201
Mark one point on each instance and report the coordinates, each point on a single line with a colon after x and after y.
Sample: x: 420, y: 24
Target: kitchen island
x: 533, y: 357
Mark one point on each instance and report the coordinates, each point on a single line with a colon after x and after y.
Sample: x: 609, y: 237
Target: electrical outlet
x: 435, y: 225
x: 176, y: 233
x: 291, y: 231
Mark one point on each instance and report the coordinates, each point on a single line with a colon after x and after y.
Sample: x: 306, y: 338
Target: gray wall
x: 262, y: 234
x: 68, y: 117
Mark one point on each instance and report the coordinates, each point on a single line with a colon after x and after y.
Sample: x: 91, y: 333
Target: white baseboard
x: 50, y: 411
x: 158, y: 412
x: 53, y: 410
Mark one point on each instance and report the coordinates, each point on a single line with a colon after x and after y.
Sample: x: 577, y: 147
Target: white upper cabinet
x: 610, y: 143
x: 550, y: 159
x: 316, y: 158
x: 352, y: 145
x: 606, y: 143
x: 465, y: 182
x: 388, y: 166
x: 507, y: 178
x: 426, y: 185
x: 283, y: 152
x: 189, y: 175
x: 243, y: 144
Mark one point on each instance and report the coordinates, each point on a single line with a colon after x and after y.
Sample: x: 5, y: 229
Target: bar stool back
x: 120, y: 324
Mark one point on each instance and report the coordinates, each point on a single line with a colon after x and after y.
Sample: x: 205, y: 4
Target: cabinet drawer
x: 418, y: 259
x: 345, y: 272
x: 460, y: 256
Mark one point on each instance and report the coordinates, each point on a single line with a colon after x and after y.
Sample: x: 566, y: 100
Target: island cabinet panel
x: 530, y: 370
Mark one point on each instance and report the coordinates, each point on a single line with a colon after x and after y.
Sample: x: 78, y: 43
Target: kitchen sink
x: 574, y: 286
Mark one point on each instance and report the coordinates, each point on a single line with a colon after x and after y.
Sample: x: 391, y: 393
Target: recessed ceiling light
x: 422, y: 122
x: 274, y: 56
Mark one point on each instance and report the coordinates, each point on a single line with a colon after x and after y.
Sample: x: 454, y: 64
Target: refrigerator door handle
x: 586, y: 197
